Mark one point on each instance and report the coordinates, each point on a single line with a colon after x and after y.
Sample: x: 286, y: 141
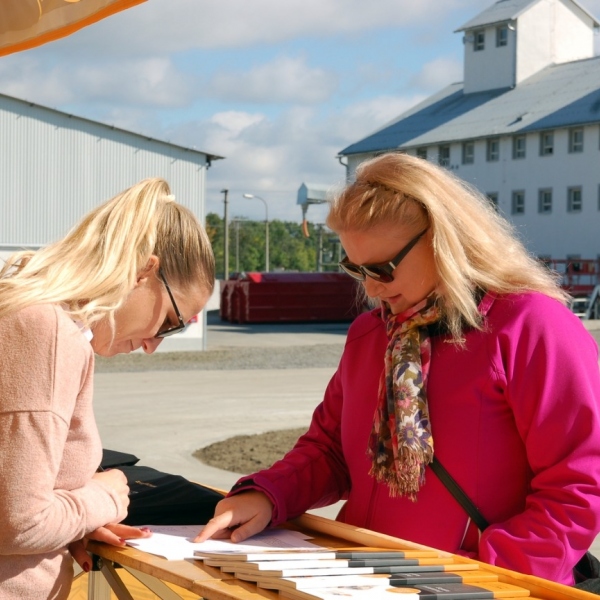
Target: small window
x: 501, y: 36
x: 599, y: 197
x: 574, y: 199
x: 493, y: 198
x: 519, y: 146
x: 444, y: 156
x: 422, y: 153
x: 576, y: 140
x: 493, y: 149
x: 468, y: 153
x: 547, y: 143
x: 545, y: 201
x: 518, y: 203
x: 574, y: 264
x: 479, y: 41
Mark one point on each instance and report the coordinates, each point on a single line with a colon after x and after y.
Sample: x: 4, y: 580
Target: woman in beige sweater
x: 135, y: 270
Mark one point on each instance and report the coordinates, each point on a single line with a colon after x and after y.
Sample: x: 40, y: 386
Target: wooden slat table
x: 212, y: 584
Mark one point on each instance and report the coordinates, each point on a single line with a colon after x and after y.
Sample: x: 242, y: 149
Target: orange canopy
x: 25, y: 24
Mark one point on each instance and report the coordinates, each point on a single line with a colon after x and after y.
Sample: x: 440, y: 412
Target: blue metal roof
x: 558, y: 96
x: 508, y: 10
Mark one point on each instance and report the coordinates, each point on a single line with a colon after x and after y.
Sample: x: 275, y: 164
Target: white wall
x: 573, y: 34
x: 548, y: 32
x: 55, y: 168
x: 560, y: 233
x: 534, y: 39
x: 491, y: 68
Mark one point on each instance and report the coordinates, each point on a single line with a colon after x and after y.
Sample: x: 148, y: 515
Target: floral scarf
x: 400, y: 444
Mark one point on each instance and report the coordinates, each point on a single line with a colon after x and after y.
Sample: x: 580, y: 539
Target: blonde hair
x: 94, y: 267
x: 474, y: 247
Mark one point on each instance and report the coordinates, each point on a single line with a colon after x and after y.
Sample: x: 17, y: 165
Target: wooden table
x: 212, y: 584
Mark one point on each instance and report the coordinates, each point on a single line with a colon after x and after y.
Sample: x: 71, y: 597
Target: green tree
x: 289, y: 249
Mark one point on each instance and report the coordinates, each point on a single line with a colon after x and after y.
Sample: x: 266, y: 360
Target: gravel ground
x: 240, y: 454
x: 226, y: 359
x: 249, y: 453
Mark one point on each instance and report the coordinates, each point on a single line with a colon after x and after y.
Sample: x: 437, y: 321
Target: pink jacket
x: 515, y: 420
x: 49, y: 452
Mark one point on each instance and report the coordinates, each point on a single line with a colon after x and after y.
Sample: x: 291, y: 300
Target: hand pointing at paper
x: 238, y: 517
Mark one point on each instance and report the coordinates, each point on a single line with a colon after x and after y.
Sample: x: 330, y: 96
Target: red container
x: 286, y: 297
x: 227, y: 288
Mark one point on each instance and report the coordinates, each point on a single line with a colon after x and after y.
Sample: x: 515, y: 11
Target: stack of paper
x: 363, y: 573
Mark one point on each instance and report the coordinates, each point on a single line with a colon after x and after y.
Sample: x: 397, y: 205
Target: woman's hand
x: 113, y: 533
x: 238, y: 517
x: 116, y: 482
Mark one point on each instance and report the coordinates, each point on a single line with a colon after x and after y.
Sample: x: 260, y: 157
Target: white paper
x: 174, y: 542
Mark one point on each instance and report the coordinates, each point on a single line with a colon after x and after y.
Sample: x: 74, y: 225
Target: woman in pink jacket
x: 470, y: 354
x: 135, y: 270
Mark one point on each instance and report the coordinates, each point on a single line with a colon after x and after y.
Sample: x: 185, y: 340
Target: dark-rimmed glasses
x: 383, y: 272
x: 177, y: 328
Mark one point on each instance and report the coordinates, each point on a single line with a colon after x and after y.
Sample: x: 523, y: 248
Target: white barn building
x: 523, y: 126
x: 55, y: 167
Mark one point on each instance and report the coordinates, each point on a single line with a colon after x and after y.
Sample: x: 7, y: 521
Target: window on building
x: 574, y: 199
x: 422, y: 153
x: 444, y: 156
x: 576, y: 140
x: 518, y: 203
x: 545, y: 201
x: 493, y: 198
x: 493, y: 149
x: 468, y: 153
x: 547, y: 143
x: 574, y: 264
x: 519, y: 146
x: 501, y: 36
x: 479, y: 41
x: 599, y: 197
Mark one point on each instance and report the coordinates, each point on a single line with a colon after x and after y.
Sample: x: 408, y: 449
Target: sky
x: 276, y: 87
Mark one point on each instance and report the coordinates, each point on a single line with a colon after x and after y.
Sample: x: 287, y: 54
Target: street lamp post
x: 266, y: 228
x: 226, y: 236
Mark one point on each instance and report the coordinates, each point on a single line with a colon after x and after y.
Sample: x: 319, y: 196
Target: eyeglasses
x: 383, y: 272
x: 181, y: 326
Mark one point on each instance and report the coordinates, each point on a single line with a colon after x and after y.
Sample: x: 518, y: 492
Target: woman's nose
x: 372, y: 287
x: 149, y: 345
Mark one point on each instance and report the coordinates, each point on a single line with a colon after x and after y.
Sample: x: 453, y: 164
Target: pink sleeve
x: 314, y: 472
x: 550, y: 367
x: 36, y: 405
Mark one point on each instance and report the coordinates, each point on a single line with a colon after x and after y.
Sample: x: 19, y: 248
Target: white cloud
x: 167, y: 26
x: 284, y: 79
x: 140, y: 82
x: 271, y: 157
x: 437, y: 74
x: 145, y: 82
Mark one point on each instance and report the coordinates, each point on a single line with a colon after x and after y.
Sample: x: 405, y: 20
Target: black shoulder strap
x: 457, y: 492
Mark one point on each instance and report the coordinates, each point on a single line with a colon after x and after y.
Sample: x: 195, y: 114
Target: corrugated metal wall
x: 54, y: 168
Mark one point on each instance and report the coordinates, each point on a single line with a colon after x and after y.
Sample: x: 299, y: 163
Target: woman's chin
x: 112, y: 350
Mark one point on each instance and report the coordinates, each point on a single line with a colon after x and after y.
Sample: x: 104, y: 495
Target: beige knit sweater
x: 49, y: 451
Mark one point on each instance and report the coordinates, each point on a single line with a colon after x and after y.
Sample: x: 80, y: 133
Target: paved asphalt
x: 164, y: 416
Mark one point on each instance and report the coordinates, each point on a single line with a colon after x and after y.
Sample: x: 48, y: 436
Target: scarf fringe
x: 406, y: 476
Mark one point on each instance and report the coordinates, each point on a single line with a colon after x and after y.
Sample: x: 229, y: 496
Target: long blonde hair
x: 474, y: 247
x: 94, y: 267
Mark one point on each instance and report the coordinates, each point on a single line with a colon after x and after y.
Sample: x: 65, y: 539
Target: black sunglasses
x: 181, y: 326
x: 383, y: 272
